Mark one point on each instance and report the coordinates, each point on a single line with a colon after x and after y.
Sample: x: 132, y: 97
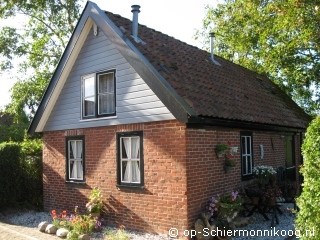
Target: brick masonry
x: 181, y: 172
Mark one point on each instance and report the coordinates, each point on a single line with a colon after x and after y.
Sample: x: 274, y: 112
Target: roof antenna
x: 212, y: 34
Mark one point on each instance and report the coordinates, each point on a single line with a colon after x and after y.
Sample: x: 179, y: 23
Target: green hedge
x: 10, y: 173
x: 308, y: 217
x: 21, y: 173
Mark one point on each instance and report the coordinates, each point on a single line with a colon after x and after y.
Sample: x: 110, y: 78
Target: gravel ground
x: 283, y: 230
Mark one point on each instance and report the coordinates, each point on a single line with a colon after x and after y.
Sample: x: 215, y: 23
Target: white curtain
x: 132, y: 171
x: 135, y: 154
x: 126, y: 143
x: 77, y: 170
x: 106, y: 93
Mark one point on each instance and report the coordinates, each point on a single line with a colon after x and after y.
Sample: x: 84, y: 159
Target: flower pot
x: 227, y: 168
x: 233, y: 150
x: 272, y: 182
x: 221, y: 153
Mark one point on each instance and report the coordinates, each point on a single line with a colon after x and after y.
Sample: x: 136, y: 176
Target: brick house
x: 138, y: 114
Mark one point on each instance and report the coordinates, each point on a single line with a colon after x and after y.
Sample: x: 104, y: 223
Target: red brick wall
x: 157, y: 208
x: 206, y: 176
x: 182, y: 171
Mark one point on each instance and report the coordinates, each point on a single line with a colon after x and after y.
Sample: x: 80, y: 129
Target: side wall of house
x: 205, y: 172
x: 162, y: 204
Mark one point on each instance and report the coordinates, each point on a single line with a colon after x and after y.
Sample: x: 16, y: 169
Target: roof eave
x: 60, y: 67
x: 201, y: 122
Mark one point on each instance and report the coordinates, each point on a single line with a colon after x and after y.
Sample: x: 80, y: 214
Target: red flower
x: 64, y: 213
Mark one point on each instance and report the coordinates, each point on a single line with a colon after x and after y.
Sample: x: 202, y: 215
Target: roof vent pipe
x: 135, y: 9
x: 212, y: 45
x: 212, y: 34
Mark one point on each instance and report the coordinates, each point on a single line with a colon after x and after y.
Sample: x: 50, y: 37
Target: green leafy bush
x: 308, y: 202
x: 21, y: 173
x: 31, y: 164
x: 10, y: 173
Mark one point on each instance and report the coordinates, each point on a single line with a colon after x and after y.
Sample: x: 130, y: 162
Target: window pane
x: 106, y: 93
x: 124, y: 145
x: 248, y: 145
x: 89, y: 106
x: 75, y: 163
x: 106, y: 83
x: 130, y: 157
x: 246, y: 151
x: 135, y: 171
x: 88, y: 87
x: 106, y: 103
x: 243, y: 145
x: 125, y: 171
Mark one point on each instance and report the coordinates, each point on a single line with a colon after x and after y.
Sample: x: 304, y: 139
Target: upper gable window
x: 98, y: 95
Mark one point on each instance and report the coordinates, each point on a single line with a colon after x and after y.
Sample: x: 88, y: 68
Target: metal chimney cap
x: 135, y: 8
x: 212, y: 34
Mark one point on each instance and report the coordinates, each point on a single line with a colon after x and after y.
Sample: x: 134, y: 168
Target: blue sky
x: 177, y: 18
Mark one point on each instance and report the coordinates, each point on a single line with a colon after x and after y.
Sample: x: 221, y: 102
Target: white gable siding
x: 135, y: 101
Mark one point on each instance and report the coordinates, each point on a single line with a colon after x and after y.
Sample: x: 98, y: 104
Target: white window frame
x: 76, y: 159
x: 246, y: 157
x: 96, y: 95
x: 123, y: 156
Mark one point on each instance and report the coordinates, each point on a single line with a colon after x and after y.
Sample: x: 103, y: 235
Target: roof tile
x: 228, y: 91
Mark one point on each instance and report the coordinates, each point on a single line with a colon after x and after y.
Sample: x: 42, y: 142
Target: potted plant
x: 228, y: 163
x: 95, y: 204
x: 221, y: 149
x: 262, y: 174
x: 225, y: 207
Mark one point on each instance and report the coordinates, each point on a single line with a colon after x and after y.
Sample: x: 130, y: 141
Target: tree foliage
x: 40, y: 42
x: 10, y: 130
x: 277, y: 38
x: 308, y: 217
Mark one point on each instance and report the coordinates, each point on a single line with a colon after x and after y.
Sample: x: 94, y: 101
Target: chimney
x: 211, y: 34
x: 135, y: 10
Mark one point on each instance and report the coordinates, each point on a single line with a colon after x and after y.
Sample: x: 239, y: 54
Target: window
x: 98, y: 95
x: 246, y: 155
x: 75, y: 159
x: 130, y: 159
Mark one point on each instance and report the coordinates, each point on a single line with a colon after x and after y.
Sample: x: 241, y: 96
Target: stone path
x: 14, y: 232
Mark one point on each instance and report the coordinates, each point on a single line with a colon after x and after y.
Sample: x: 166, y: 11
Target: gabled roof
x: 185, y: 79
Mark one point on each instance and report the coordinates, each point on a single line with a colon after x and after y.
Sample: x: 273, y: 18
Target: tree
x: 10, y: 130
x: 277, y: 38
x: 308, y: 217
x: 40, y: 42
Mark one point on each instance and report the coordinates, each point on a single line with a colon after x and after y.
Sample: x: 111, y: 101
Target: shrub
x: 308, y: 215
x: 21, y: 173
x: 31, y: 164
x: 10, y: 172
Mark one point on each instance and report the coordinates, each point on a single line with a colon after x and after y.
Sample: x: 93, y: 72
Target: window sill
x: 130, y: 187
x: 75, y: 183
x: 97, y: 119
